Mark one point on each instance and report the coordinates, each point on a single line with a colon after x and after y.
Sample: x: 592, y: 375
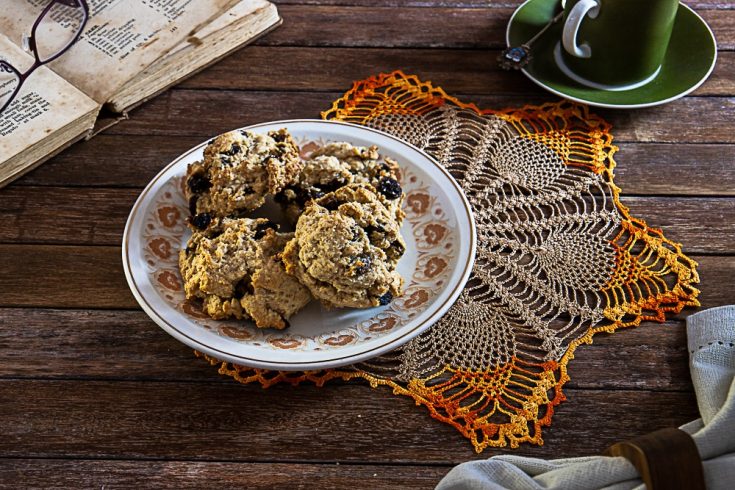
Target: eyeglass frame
x: 7, y: 67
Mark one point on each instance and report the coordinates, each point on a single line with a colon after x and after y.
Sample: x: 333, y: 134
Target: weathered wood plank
x: 722, y: 23
x: 688, y: 120
x: 458, y: 71
x: 205, y: 421
x: 643, y: 169
x: 94, y: 344
x: 651, y: 168
x: 651, y: 357
x: 446, y: 27
x: 334, y: 69
x: 110, y: 160
x: 97, y: 216
x: 702, y: 225
x: 70, y: 277
x: 204, y: 113
x: 127, y: 345
x: 312, y: 25
x: 56, y: 276
x: 59, y: 473
x: 137, y: 393
x: 91, y: 216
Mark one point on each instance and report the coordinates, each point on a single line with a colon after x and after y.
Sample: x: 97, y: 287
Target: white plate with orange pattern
x: 439, y: 232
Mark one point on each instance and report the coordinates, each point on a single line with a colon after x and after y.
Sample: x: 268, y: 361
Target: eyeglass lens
x: 9, y: 82
x: 57, y: 29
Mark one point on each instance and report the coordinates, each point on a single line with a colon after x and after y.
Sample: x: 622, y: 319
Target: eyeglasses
x: 56, y: 29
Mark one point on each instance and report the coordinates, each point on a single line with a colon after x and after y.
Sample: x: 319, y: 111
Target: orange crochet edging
x: 472, y: 422
x: 652, y: 276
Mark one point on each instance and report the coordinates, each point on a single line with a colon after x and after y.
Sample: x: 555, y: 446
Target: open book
x: 130, y: 50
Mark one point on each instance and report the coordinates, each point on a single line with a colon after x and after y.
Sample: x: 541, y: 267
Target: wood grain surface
x: 170, y: 114
x: 465, y: 71
x: 73, y: 344
x: 94, y: 395
x: 24, y: 210
x: 690, y: 169
x: 76, y: 473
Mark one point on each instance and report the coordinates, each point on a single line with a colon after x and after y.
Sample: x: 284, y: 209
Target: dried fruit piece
x: 198, y: 183
x: 201, y: 220
x: 362, y: 265
x: 390, y: 188
x: 385, y: 299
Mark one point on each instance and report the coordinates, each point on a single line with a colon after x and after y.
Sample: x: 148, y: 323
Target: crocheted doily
x: 559, y: 259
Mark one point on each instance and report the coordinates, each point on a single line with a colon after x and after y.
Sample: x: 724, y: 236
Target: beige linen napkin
x: 711, y: 339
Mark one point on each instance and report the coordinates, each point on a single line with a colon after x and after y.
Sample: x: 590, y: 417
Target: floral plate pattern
x: 438, y: 230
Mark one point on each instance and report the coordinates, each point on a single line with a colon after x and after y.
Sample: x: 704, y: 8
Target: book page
x: 237, y: 13
x: 121, y: 38
x: 231, y: 30
x: 45, y: 103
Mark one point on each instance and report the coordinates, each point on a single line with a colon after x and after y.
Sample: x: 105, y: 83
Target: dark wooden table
x: 94, y: 394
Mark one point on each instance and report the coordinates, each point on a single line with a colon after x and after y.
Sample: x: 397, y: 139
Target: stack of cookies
x: 344, y: 202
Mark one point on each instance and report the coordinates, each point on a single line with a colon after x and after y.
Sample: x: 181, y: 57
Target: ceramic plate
x: 689, y: 59
x: 438, y: 229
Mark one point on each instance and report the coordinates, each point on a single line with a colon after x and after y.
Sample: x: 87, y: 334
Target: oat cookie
x: 234, y: 267
x: 346, y: 248
x: 238, y: 170
x: 276, y: 295
x: 338, y: 164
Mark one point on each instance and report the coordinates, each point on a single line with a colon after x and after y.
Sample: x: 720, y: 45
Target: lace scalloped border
x: 591, y: 149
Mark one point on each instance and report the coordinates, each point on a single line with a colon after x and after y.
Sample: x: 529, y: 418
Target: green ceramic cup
x: 615, y: 44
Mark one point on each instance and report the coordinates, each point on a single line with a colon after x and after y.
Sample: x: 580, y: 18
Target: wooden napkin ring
x: 665, y: 459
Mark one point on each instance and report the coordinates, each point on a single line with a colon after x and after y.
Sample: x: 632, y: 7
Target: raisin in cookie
x: 336, y: 165
x: 239, y: 169
x: 346, y: 248
x: 234, y: 267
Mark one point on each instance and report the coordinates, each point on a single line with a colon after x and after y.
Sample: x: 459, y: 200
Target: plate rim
x: 620, y: 106
x: 302, y: 365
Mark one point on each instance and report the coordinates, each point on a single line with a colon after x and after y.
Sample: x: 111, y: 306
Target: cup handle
x: 571, y: 27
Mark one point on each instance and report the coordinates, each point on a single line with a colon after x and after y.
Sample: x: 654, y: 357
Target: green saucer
x: 689, y: 59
